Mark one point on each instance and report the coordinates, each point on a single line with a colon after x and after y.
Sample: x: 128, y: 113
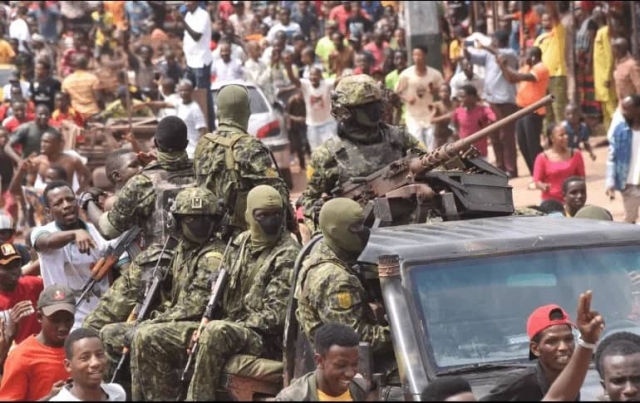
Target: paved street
x: 524, y: 197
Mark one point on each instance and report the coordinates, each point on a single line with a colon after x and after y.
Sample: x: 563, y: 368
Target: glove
x: 128, y: 336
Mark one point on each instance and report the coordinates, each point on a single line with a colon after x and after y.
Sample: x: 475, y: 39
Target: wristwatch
x: 584, y: 344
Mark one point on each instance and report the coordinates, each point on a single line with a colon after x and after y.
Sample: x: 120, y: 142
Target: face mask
x: 271, y: 225
x: 368, y: 115
x: 199, y: 230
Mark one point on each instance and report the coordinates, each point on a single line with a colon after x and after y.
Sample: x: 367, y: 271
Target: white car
x: 266, y: 123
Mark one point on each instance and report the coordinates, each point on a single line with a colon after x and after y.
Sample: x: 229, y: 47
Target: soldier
x: 230, y: 162
x: 143, y: 201
x: 364, y: 144
x: 254, y: 301
x: 196, y: 257
x: 328, y: 289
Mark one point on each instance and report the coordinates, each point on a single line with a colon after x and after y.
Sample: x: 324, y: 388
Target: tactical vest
x: 360, y: 160
x: 166, y: 185
x: 234, y: 196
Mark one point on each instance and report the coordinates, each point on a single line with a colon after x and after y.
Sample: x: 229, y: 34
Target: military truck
x: 460, y: 278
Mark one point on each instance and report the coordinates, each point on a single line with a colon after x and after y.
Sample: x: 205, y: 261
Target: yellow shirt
x: 345, y: 397
x: 603, y: 66
x: 552, y: 46
x: 455, y: 50
x: 108, y: 21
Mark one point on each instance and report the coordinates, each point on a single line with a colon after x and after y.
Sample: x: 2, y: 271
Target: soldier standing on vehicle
x: 196, y: 258
x: 230, y: 162
x: 336, y: 376
x: 143, y: 201
x: 329, y: 289
x: 363, y: 146
x: 253, y: 307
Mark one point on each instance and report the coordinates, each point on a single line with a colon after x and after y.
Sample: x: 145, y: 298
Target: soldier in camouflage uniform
x: 364, y: 144
x: 328, y: 288
x: 143, y: 202
x: 197, y: 257
x: 255, y: 298
x: 230, y: 162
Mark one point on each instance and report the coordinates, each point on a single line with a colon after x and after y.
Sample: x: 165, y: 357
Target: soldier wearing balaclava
x: 260, y: 266
x: 230, y: 162
x: 328, y: 288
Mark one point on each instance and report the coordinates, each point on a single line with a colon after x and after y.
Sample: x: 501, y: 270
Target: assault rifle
x: 466, y: 187
x: 216, y: 294
x: 141, y: 310
x: 106, y: 262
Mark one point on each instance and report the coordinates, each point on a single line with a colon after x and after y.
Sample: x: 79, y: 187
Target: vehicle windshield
x: 256, y: 101
x: 474, y: 311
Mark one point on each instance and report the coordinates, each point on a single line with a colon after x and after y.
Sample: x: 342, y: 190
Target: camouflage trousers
x: 116, y: 304
x: 158, y: 357
x: 218, y: 342
x: 113, y: 337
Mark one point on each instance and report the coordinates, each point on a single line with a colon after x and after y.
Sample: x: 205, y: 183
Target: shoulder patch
x: 271, y: 172
x: 344, y: 300
x: 310, y: 171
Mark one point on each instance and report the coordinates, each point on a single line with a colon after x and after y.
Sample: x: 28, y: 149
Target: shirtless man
x: 52, y: 154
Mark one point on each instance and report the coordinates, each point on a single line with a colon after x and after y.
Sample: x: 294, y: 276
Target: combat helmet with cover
x: 195, y: 201
x: 352, y: 91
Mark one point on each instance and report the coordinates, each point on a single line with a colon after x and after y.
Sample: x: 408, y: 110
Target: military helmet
x: 356, y: 90
x: 195, y: 201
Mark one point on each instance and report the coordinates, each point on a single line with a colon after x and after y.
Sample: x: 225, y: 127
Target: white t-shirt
x: 236, y: 53
x: 69, y: 267
x: 633, y: 177
x: 422, y: 110
x: 24, y: 86
x: 193, y: 117
x: 292, y: 29
x: 114, y: 392
x: 227, y: 71
x: 197, y: 53
x: 170, y: 99
x: 317, y: 101
x: 19, y: 30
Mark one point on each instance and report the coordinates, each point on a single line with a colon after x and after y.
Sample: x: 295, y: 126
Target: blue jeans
x: 201, y: 79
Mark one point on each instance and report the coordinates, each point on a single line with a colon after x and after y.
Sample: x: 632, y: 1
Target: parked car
x: 267, y: 124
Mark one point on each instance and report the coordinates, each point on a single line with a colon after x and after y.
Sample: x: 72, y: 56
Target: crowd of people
x: 206, y: 195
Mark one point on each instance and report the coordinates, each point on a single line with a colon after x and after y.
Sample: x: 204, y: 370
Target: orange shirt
x: 117, y: 9
x: 58, y: 116
x: 532, y: 91
x: 80, y: 86
x: 30, y: 371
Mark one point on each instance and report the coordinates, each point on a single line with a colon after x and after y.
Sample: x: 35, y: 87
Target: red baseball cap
x: 540, y: 319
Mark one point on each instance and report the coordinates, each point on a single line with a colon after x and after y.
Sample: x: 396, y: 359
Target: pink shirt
x: 378, y: 53
x: 469, y: 121
x: 555, y: 173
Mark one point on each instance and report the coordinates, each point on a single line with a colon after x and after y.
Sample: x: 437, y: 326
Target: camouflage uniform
x: 339, y: 159
x: 137, y: 204
x: 253, y: 304
x: 230, y: 162
x: 329, y: 290
x: 191, y: 268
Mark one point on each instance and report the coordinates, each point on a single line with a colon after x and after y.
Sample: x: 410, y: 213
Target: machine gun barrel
x: 448, y: 151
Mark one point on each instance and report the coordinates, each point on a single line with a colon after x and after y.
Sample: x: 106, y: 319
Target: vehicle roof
x: 454, y: 239
x: 217, y: 84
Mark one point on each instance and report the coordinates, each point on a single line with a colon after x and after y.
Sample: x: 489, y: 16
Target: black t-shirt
x: 359, y: 24
x: 43, y: 92
x: 528, y: 385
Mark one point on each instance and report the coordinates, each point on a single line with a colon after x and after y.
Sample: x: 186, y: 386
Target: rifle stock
x: 403, y: 171
x: 216, y: 294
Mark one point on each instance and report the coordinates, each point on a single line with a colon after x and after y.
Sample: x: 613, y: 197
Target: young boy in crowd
x: 471, y: 116
x: 86, y: 363
x: 577, y: 130
x: 120, y: 165
x: 37, y: 364
x: 442, y: 133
